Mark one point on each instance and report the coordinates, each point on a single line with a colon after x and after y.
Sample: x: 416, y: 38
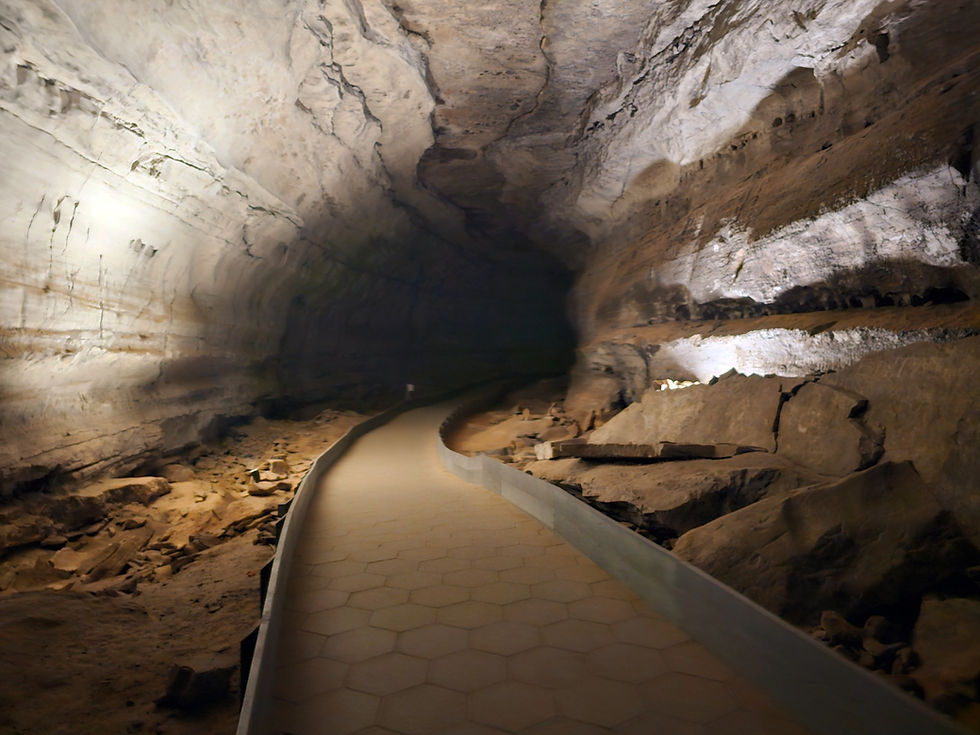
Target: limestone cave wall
x: 754, y: 159
x: 208, y: 206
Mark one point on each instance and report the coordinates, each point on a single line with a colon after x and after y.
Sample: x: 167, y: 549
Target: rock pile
x: 859, y: 498
x: 182, y: 547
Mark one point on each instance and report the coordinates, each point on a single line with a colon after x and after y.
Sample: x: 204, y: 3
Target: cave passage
x: 420, y: 602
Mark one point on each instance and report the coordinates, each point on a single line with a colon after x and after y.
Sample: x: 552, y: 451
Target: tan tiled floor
x: 421, y: 604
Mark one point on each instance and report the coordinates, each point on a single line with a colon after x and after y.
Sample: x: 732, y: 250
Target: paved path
x: 422, y: 604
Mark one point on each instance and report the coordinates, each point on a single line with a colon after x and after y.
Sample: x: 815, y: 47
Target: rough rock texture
x: 756, y: 158
x: 146, y: 587
x: 800, y: 198
x: 875, y: 539
x: 945, y: 638
x: 669, y: 499
x: 736, y: 410
x: 211, y: 208
x: 823, y: 427
x: 925, y: 402
x: 213, y: 205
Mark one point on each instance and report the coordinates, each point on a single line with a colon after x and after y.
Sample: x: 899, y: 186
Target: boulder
x: 945, y: 638
x: 822, y: 427
x: 875, y: 538
x: 102, y: 557
x: 264, y: 488
x: 737, y: 409
x: 278, y: 466
x: 592, y: 397
x: 54, y: 541
x: 199, y: 681
x: 123, y: 549
x: 839, y: 630
x: 585, y: 449
x: 123, y: 490
x: 671, y: 498
x: 20, y: 530
x: 177, y: 473
x: 926, y: 398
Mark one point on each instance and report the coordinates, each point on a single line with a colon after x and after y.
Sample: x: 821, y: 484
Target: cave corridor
x: 216, y: 213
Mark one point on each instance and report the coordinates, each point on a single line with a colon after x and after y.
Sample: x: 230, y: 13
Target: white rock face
x: 918, y: 218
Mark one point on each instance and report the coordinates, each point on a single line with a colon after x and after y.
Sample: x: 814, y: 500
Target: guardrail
x: 824, y: 691
x: 258, y: 689
x: 258, y: 650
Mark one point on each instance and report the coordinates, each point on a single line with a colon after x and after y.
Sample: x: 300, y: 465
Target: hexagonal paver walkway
x: 422, y: 604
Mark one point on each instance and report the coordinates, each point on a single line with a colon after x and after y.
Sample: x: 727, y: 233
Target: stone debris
x: 794, y: 552
x: 860, y: 505
x: 879, y: 645
x: 200, y: 681
x: 945, y: 639
x: 177, y: 472
x: 111, y: 534
x: 71, y: 515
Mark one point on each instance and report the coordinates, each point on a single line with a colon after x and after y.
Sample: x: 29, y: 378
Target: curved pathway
x: 422, y: 604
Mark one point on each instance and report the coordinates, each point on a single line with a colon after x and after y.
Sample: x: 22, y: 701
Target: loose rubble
x: 154, y: 578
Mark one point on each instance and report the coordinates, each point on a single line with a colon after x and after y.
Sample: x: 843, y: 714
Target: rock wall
x: 755, y: 158
x: 210, y: 205
x: 201, y: 196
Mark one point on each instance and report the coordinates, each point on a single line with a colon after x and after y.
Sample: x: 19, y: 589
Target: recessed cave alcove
x: 724, y: 255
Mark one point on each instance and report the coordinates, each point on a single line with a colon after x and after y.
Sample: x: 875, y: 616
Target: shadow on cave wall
x: 897, y: 282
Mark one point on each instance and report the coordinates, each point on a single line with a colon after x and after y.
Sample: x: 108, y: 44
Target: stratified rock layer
x: 210, y: 206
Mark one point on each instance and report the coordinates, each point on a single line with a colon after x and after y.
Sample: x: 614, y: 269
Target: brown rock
x: 54, y: 541
x: 199, y: 681
x: 820, y: 427
x: 122, y: 490
x: 905, y: 660
x: 672, y: 450
x: 592, y: 396
x: 676, y: 496
x: 931, y: 415
x: 883, y: 654
x: 177, y: 473
x: 945, y: 638
x: 738, y: 409
x: 878, y: 628
x: 265, y: 488
x: 26, y: 529
x: 120, y: 553
x: 278, y: 466
x: 559, y: 432
x: 839, y: 630
x: 875, y: 538
x: 587, y: 450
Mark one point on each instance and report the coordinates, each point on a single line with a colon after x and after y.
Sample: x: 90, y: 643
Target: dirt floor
x: 106, y: 588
